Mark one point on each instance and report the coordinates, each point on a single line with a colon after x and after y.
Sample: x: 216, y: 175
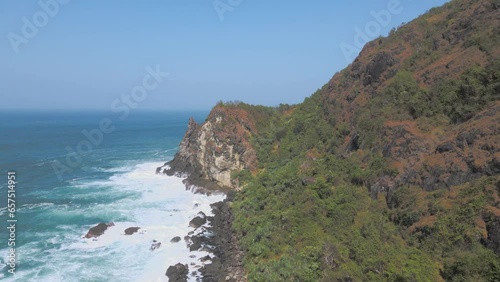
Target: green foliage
x: 305, y: 198
x: 457, y: 99
x: 306, y: 214
x: 404, y: 93
x: 481, y: 265
x: 299, y: 203
x: 241, y: 176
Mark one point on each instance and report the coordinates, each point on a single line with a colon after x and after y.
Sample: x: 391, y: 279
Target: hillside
x: 389, y: 172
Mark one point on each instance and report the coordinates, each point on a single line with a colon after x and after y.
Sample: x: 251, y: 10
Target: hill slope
x: 389, y: 172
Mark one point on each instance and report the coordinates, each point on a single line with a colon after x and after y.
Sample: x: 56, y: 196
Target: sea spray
x: 160, y: 205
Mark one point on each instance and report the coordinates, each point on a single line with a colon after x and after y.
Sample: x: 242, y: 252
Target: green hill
x: 389, y: 172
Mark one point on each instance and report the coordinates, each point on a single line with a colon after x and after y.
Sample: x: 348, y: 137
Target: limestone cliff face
x: 213, y: 150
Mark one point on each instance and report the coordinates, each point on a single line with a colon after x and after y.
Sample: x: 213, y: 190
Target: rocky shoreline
x: 217, y: 238
x: 228, y: 262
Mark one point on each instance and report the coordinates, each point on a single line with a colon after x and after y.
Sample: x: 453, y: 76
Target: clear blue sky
x: 91, y: 52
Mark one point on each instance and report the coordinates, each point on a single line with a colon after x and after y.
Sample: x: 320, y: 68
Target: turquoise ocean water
x: 113, y: 182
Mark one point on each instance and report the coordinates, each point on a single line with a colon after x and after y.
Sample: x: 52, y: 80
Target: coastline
x: 228, y: 262
x: 216, y: 237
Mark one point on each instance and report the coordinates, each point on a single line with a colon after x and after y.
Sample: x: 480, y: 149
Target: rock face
x: 465, y: 153
x: 177, y: 273
x: 213, y: 150
x: 98, y: 230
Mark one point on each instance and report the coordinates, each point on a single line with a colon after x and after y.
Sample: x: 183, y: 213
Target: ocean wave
x: 24, y: 207
x: 133, y: 196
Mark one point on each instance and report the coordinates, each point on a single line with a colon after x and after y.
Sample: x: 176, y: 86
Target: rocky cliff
x: 213, y: 150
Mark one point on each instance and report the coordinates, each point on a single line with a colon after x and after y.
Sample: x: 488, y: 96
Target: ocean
x: 67, y: 182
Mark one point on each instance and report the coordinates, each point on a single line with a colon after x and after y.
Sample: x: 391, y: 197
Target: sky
x: 182, y: 54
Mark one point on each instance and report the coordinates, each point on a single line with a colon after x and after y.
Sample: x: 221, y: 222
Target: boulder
x: 196, y: 243
x: 195, y: 247
x: 205, y: 258
x: 197, y: 222
x: 213, y: 271
x: 98, y: 230
x: 176, y: 239
x: 131, y: 230
x: 177, y: 273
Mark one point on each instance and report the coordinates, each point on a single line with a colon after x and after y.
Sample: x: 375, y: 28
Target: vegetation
x: 307, y: 212
x: 458, y: 99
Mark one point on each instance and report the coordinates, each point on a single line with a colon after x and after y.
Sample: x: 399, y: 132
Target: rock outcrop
x: 177, y: 273
x: 227, y: 265
x: 98, y: 230
x: 197, y: 222
x: 131, y: 230
x: 225, y: 262
x: 211, y: 151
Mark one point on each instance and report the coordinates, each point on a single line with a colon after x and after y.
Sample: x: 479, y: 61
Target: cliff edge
x: 211, y: 151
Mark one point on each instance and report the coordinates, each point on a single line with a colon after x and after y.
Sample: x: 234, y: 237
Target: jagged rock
x: 228, y: 260
x: 213, y: 271
x: 379, y: 64
x: 98, y: 230
x: 197, y: 222
x: 177, y: 273
x: 176, y: 239
x: 195, y: 243
x: 212, y: 150
x: 205, y: 258
x: 195, y: 246
x: 131, y: 230
x: 155, y: 245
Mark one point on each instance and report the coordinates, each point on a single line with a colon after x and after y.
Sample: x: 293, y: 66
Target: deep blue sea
x: 67, y: 183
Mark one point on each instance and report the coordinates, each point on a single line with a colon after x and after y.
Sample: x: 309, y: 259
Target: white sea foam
x: 158, y: 204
